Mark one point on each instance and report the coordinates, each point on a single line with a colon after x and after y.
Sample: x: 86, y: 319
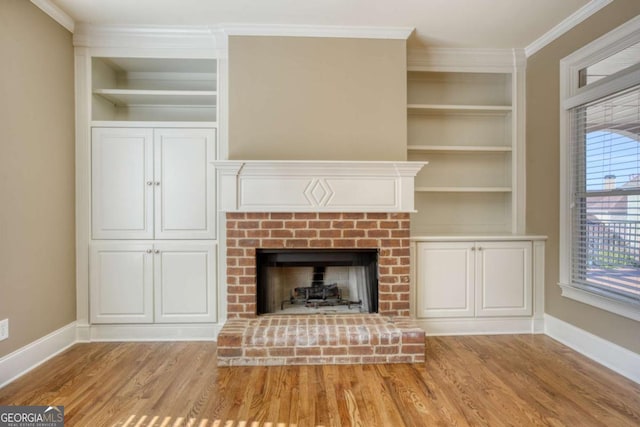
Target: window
x: 600, y: 206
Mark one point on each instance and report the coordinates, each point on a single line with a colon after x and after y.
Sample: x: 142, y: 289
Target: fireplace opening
x: 302, y: 281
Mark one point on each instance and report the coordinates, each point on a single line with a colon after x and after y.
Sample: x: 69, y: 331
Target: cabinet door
x: 121, y: 283
x: 184, y: 183
x: 445, y: 274
x: 122, y: 183
x: 185, y: 278
x: 503, y: 279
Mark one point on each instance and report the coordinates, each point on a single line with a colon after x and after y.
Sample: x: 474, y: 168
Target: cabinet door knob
x: 473, y: 248
x: 157, y: 182
x: 149, y: 182
x: 157, y: 251
x: 480, y: 248
x: 149, y: 251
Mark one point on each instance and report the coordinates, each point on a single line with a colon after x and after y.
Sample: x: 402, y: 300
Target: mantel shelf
x: 460, y: 148
x: 317, y: 186
x: 139, y: 97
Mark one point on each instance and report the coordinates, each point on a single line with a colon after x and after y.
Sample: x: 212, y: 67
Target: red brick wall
x: 388, y: 232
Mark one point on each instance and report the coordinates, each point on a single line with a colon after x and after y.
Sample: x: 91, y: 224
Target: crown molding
x: 567, y: 24
x: 187, y: 38
x: 58, y: 15
x: 401, y: 33
x: 465, y: 59
x: 213, y: 36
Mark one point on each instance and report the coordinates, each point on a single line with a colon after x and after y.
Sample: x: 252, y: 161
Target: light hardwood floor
x: 519, y: 380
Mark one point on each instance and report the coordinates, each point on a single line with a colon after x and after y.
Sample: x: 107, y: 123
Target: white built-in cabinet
x: 474, y: 268
x: 155, y: 184
x: 152, y: 183
x: 152, y: 244
x: 474, y: 279
x: 481, y: 285
x: 140, y: 282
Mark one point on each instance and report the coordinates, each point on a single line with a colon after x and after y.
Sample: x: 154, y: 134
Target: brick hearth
x: 386, y: 337
x: 320, y: 339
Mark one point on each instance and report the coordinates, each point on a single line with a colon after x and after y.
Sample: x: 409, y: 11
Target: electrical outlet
x: 4, y: 329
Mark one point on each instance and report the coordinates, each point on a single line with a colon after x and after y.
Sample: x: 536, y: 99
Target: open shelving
x: 462, y: 123
x: 454, y: 148
x: 459, y: 108
x: 463, y: 189
x: 159, y: 89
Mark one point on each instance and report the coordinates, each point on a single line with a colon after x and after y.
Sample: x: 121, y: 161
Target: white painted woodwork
x: 573, y: 95
x: 170, y: 89
x: 143, y: 80
x: 464, y: 118
x: 184, y: 282
x: 121, y: 277
x: 153, y: 183
x: 171, y: 282
x: 184, y: 183
x: 317, y: 186
x: 445, y: 274
x: 125, y: 97
x: 473, y: 279
x: 503, y: 279
x: 122, y: 168
x: 435, y: 23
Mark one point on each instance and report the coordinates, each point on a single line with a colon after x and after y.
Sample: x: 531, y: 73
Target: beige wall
x: 37, y: 259
x: 543, y: 173
x: 297, y: 98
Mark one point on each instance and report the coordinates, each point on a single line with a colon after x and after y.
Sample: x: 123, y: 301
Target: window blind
x: 605, y: 146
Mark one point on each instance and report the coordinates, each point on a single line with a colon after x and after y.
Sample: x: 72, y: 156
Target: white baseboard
x: 613, y: 356
x: 30, y: 356
x: 480, y: 326
x: 155, y: 332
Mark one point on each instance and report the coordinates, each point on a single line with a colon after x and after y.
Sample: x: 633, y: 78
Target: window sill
x: 629, y: 310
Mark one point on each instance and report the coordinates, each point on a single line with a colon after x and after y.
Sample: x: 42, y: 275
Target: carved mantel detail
x: 317, y: 186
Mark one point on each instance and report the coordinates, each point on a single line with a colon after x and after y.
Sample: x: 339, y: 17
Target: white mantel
x: 316, y: 186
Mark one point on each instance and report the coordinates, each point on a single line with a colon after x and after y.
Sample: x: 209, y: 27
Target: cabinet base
x: 482, y: 326
x: 182, y: 332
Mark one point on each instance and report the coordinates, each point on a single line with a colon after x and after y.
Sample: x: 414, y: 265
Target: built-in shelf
x: 459, y: 108
x: 138, y: 97
x: 152, y: 124
x: 154, y: 89
x: 463, y: 189
x: 462, y: 123
x: 462, y: 148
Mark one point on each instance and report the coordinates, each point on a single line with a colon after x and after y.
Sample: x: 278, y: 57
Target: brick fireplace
x: 387, y: 232
x: 318, y: 205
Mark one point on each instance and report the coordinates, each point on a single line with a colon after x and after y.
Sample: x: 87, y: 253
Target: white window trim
x: 572, y: 95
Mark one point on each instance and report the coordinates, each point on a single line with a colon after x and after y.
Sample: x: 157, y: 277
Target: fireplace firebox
x: 304, y: 281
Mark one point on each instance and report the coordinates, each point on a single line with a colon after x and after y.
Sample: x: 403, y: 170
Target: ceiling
x: 437, y: 23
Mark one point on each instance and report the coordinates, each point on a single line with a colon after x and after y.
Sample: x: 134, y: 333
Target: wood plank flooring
x: 516, y: 380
